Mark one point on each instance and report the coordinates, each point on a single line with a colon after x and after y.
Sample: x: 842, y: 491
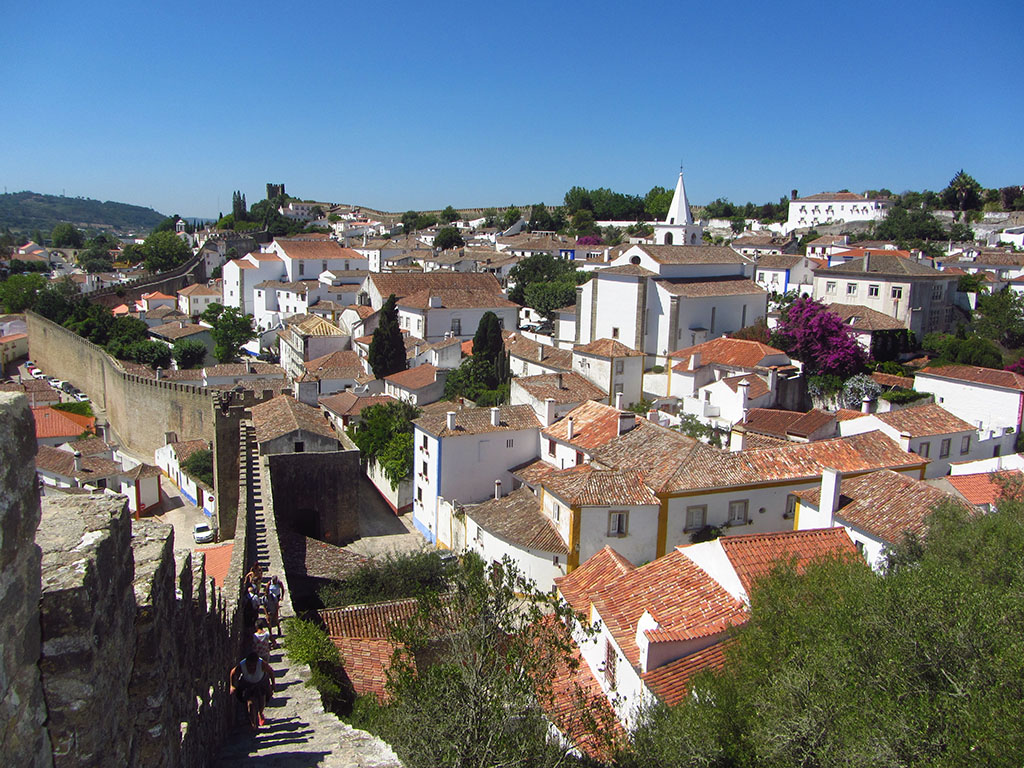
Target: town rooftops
x: 340, y: 364
x: 634, y: 270
x: 754, y: 556
x: 986, y: 488
x: 404, y: 284
x: 546, y: 356
x: 692, y: 254
x: 53, y: 423
x: 734, y: 353
x: 779, y: 261
x: 593, y: 425
x: 199, y: 289
x: 568, y: 387
x: 862, y: 318
x: 414, y: 378
x: 681, y: 597
x: 884, y: 504
x: 295, y: 248
x: 156, y: 295
x: 973, y: 374
x: 249, y: 368
x: 182, y: 449
x: 780, y: 423
x: 889, y: 380
x: 585, y: 485
x: 455, y: 298
x: 606, y: 348
x: 58, y: 462
x: 882, y: 263
x: 178, y: 330
x: 671, y: 682
x: 283, y: 415
x: 474, y: 421
x: 312, y: 325
x: 924, y: 421
x: 88, y: 446
x: 698, y: 287
x: 517, y: 518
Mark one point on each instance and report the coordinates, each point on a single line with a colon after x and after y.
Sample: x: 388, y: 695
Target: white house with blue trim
x: 783, y: 272
x: 169, y: 458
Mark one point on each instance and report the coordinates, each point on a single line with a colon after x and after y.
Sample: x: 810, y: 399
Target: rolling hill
x: 27, y: 211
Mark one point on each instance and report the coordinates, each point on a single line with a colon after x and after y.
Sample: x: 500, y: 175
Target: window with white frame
x: 556, y: 512
x: 897, y: 292
x: 738, y: 512
x: 696, y: 517
x: 830, y: 286
x: 618, y: 523
x: 851, y: 289
x: 873, y: 290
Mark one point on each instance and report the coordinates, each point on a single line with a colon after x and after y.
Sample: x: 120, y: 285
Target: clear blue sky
x: 402, y: 105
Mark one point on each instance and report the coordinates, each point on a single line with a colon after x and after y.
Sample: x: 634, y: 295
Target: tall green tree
x: 1000, y: 317
x: 542, y: 268
x: 657, y: 202
x: 65, y: 235
x: 188, y: 353
x: 19, y: 292
x: 384, y: 435
x: 230, y: 330
x: 448, y: 237
x: 448, y: 215
x: 409, y: 219
x: 165, y: 251
x: 387, y: 349
x: 541, y: 219
x: 511, y: 216
x: 963, y: 193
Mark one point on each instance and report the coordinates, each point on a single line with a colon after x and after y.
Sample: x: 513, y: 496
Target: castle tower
x: 679, y: 227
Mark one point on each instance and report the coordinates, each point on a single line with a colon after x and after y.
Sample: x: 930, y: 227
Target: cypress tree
x: 387, y: 349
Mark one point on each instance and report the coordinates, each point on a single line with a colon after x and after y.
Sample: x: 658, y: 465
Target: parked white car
x: 203, y: 533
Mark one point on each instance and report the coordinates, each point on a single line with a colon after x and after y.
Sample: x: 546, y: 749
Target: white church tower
x: 679, y: 227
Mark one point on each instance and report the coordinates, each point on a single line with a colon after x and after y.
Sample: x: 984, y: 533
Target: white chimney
x: 694, y: 362
x: 652, y: 415
x: 865, y: 404
x: 495, y: 417
x: 540, y: 352
x: 829, y: 502
x: 78, y: 461
x: 416, y: 350
x: 497, y: 489
x: 549, y: 411
x: 738, y: 439
x: 627, y: 421
x: 450, y: 421
x: 159, y: 373
x: 773, y: 379
x: 744, y: 389
x: 248, y: 365
x: 434, y: 302
x: 618, y: 400
x: 569, y: 432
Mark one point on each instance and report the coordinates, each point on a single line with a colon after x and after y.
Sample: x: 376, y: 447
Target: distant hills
x: 28, y: 211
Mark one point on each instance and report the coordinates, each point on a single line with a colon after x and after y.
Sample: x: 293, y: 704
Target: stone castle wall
x: 23, y: 739
x: 139, y: 409
x: 317, y: 494
x: 170, y: 282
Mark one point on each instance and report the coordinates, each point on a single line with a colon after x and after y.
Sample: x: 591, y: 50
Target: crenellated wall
x: 23, y: 740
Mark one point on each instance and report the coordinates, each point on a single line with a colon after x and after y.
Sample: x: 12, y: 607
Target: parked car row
x: 61, y: 386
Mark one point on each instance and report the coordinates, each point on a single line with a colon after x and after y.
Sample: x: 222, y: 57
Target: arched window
x: 668, y: 238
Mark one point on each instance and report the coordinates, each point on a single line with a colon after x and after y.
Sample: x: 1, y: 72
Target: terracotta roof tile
x: 697, y: 287
x: 53, y: 423
x: 976, y: 375
x: 671, y: 682
x: 578, y: 706
x: 757, y: 386
x: 340, y: 364
x: 517, y: 518
x: 178, y: 330
x: 755, y: 556
x: 692, y: 254
x: 218, y: 561
x: 568, y: 387
x: 474, y: 421
x: 366, y: 661
x: 606, y: 348
x: 414, y: 378
x: 889, y: 380
x: 985, y: 487
x: 283, y: 415
x: 862, y: 318
x: 924, y: 420
x: 884, y: 504
x: 369, y: 620
x: 62, y: 463
x: 455, y: 298
x: 593, y: 425
x: 315, y: 249
x: 736, y: 353
x: 780, y: 423
x: 882, y: 263
x: 585, y: 485
x: 521, y: 347
x: 404, y: 284
x: 350, y: 404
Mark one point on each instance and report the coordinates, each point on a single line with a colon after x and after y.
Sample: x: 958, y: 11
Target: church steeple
x: 679, y: 210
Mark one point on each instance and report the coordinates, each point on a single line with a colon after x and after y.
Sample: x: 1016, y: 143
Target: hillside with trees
x: 28, y: 211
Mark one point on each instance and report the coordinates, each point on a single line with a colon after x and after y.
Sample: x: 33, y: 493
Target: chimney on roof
x: 558, y: 379
x: 248, y: 365
x: 540, y: 352
x: 495, y: 417
x: 569, y: 431
x: 652, y: 415
x: 497, y: 489
x: 867, y: 259
x: 792, y: 195
x: 627, y: 420
x: 159, y: 372
x: 170, y: 437
x: 416, y: 350
x: 738, y: 438
x: 549, y: 411
x: 694, y: 362
x: 865, y: 404
x: 78, y: 461
x: 450, y: 421
x: 142, y: 314
x: 744, y: 389
x: 618, y: 400
x: 829, y: 502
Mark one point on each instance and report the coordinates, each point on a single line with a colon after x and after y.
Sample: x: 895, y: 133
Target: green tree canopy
x: 547, y: 297
x: 1000, y: 317
x: 19, y: 292
x: 230, y: 330
x: 448, y: 237
x: 917, y: 666
x: 384, y: 435
x: 510, y: 217
x: 484, y: 377
x: 200, y: 466
x: 963, y: 193
x: 65, y: 235
x: 409, y: 219
x: 387, y: 348
x: 542, y: 268
x: 904, y: 226
x: 165, y: 251
x: 448, y: 215
x: 657, y: 202
x: 188, y: 353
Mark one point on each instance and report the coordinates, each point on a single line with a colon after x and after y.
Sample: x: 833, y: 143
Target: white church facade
x: 679, y: 227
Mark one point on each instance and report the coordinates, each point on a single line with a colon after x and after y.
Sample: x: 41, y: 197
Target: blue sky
x: 401, y: 105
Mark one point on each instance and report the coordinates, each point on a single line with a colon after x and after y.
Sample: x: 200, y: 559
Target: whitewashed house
x: 832, y: 207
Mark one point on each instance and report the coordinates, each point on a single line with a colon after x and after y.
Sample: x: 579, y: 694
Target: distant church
x: 678, y: 227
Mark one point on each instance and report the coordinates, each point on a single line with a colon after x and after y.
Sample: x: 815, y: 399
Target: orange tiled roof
x: 737, y: 353
x: 757, y: 386
x: 781, y: 423
x: 594, y: 424
x: 562, y: 387
x: 685, y: 601
x: 218, y: 560
x: 284, y: 414
x: 350, y: 404
x: 369, y: 620
x: 890, y: 380
x: 976, y: 375
x: 473, y: 421
x: 54, y: 423
x: 366, y: 661
x: 517, y: 518
x: 414, y: 378
x: 984, y: 487
x: 606, y: 348
x: 586, y: 485
x: 340, y: 364
x: 924, y: 420
x: 671, y: 683
x: 754, y: 556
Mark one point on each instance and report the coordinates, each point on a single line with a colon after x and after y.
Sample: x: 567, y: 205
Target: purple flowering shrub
x: 820, y: 340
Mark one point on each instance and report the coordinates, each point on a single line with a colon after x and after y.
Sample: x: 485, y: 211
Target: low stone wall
x: 23, y: 739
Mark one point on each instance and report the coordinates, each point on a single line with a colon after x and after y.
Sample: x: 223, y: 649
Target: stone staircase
x: 255, y: 504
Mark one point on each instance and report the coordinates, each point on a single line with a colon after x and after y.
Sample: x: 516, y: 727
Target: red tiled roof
x: 350, y: 404
x: 924, y: 420
x: 369, y: 620
x: 562, y: 387
x: 218, y: 560
x: 414, y: 378
x: 985, y: 487
x: 517, y: 518
x: 585, y: 485
x: 890, y: 380
x: 884, y: 504
x: 680, y: 595
x: 606, y: 348
x: 671, y: 683
x: 976, y: 375
x: 473, y: 421
x: 283, y: 415
x: 315, y: 249
x: 697, y: 287
x: 454, y: 298
x: 54, y: 423
x: 771, y: 421
x: 404, y: 284
x: 736, y: 353
x: 757, y: 386
x: 340, y: 364
x: 754, y: 556
x: 366, y: 661
x: 579, y: 709
x: 594, y: 424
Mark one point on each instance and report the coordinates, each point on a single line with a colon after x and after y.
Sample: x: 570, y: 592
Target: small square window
x: 551, y: 447
x: 424, y: 472
x: 696, y: 517
x: 924, y: 449
x: 738, y: 512
x: 944, y: 448
x: 851, y: 289
x: 615, y: 333
x: 830, y: 286
x: 618, y: 523
x: 872, y: 290
x: 300, y: 447
x: 897, y: 292
x: 965, y: 444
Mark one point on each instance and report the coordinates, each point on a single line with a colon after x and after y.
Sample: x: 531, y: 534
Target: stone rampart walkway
x: 300, y: 734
